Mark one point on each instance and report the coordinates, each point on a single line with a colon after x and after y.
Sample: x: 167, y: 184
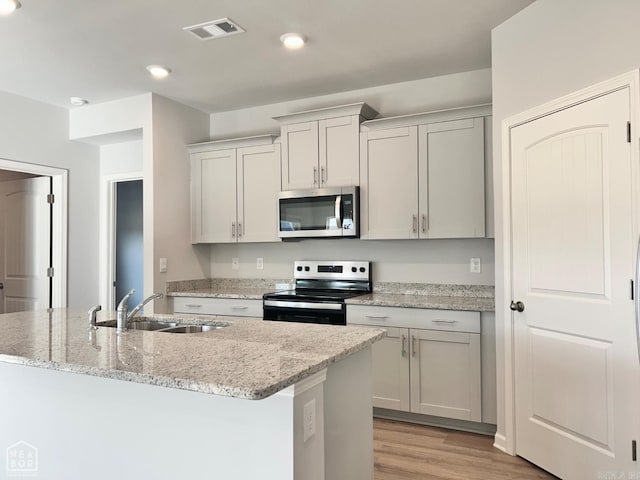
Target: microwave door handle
x: 338, y: 211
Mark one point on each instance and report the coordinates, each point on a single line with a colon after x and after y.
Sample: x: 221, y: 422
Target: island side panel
x: 90, y: 427
x: 348, y: 418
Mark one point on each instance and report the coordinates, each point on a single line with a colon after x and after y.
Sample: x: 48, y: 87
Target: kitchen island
x: 255, y: 399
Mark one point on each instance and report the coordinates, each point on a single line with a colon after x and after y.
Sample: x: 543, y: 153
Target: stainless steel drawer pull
x: 404, y: 345
x: 413, y: 345
x: 233, y: 229
x: 238, y: 307
x: 448, y: 322
x: 315, y: 175
x: 193, y: 305
x: 379, y: 317
x: 415, y: 223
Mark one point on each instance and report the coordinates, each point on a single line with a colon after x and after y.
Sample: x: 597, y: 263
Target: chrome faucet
x: 121, y: 311
x: 122, y: 314
x: 93, y: 311
x: 138, y: 307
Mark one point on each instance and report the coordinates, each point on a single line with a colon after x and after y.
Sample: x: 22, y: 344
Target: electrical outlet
x: 235, y: 263
x: 309, y: 419
x: 475, y: 266
x: 260, y: 263
x: 163, y: 265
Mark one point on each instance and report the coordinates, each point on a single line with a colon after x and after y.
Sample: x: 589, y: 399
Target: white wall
x: 174, y: 126
x: 549, y: 49
x: 34, y: 132
x: 437, y: 93
x: 123, y: 157
x: 437, y: 261
x: 424, y: 261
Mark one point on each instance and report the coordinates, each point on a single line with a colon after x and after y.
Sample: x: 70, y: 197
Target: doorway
x: 129, y: 249
x: 121, y: 238
x: 33, y: 237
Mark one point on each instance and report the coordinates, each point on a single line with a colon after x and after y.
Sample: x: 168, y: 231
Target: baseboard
x: 500, y: 442
x: 450, y: 423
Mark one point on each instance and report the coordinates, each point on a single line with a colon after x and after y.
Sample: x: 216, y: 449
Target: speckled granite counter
x: 248, y: 359
x: 226, y: 288
x: 475, y: 298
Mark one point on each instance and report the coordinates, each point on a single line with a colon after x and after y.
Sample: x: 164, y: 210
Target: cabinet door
x: 389, y: 183
x: 300, y: 156
x: 452, y: 179
x: 339, y: 147
x: 445, y: 374
x: 213, y: 197
x: 258, y: 187
x: 391, y: 370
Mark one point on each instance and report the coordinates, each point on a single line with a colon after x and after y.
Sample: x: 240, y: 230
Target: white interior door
x: 25, y: 221
x: 576, y: 364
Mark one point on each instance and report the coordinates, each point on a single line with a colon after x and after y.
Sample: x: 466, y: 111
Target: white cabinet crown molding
x: 361, y: 109
x: 227, y: 143
x: 427, y: 117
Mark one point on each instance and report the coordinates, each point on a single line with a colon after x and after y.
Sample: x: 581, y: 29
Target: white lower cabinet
x: 230, y: 307
x: 432, y: 371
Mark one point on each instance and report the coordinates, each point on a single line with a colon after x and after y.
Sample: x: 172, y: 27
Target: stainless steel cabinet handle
x: 404, y: 345
x: 415, y: 223
x: 380, y: 317
x: 193, y: 305
x: 238, y: 307
x: 636, y: 300
x: 449, y: 322
x: 322, y: 176
x: 239, y: 229
x: 413, y: 345
x: 424, y: 223
x: 315, y: 175
x: 233, y: 229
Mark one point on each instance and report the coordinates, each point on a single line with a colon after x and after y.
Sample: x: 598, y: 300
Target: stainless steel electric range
x: 320, y: 292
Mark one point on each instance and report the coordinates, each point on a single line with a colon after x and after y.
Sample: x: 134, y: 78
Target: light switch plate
x: 260, y: 263
x: 235, y: 263
x: 309, y: 420
x: 475, y: 266
x: 163, y: 265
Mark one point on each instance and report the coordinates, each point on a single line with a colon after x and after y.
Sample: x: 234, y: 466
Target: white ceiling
x: 98, y: 49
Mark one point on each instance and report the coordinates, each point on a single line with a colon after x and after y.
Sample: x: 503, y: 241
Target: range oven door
x: 320, y: 213
x: 305, y: 312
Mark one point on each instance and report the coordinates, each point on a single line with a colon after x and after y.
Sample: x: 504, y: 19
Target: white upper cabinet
x: 451, y: 169
x: 234, y: 190
x: 320, y: 148
x: 422, y: 176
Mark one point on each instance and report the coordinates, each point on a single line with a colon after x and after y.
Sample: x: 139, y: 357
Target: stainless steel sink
x: 140, y: 325
x: 168, y: 327
x: 194, y: 328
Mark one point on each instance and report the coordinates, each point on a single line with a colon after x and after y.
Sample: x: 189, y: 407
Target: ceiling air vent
x: 215, y: 29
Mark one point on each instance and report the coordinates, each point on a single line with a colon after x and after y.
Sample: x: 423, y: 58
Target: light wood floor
x: 404, y: 451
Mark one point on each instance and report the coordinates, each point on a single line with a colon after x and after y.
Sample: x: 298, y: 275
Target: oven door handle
x: 305, y: 305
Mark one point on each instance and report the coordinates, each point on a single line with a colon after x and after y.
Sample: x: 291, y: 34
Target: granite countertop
x: 477, y: 298
x: 475, y: 304
x: 229, y: 292
x: 249, y: 359
x: 252, y: 289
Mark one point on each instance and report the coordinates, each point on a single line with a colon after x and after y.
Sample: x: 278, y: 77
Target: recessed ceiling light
x: 78, y: 101
x: 292, y: 41
x: 158, y: 71
x: 9, y: 6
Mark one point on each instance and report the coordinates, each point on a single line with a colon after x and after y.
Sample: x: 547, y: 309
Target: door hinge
x: 632, y: 289
x: 628, y: 132
x: 49, y: 271
x: 634, y: 455
x: 51, y: 198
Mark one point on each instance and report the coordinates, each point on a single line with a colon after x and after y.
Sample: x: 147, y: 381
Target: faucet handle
x: 92, y: 314
x: 123, y: 303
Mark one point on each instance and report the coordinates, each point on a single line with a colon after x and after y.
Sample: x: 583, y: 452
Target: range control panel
x: 333, y: 270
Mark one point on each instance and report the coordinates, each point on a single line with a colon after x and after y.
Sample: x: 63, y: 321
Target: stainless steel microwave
x: 319, y: 213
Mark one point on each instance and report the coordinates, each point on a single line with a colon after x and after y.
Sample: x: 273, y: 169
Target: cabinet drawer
x: 218, y: 306
x: 447, y: 320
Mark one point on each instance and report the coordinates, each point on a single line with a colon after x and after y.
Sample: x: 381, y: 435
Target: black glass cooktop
x: 312, y: 295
